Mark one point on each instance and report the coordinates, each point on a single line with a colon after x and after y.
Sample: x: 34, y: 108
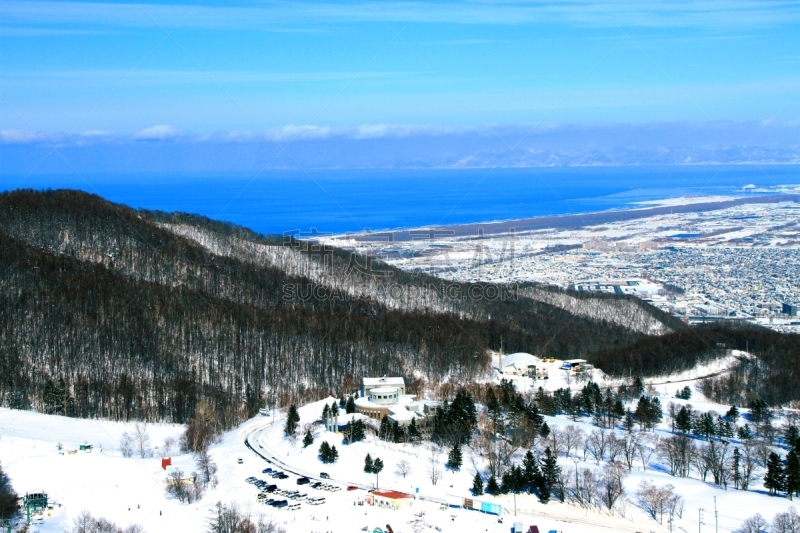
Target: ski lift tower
x: 34, y: 501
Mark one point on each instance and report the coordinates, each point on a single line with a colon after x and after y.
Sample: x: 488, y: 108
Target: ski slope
x: 132, y: 490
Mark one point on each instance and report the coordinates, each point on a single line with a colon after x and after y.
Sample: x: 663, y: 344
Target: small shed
x: 576, y: 365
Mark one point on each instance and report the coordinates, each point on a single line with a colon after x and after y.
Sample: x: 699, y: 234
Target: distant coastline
x: 486, y: 229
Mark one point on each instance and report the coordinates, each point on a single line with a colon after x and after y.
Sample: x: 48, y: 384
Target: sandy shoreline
x: 485, y: 229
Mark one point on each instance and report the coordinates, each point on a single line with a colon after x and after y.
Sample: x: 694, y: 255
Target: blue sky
x: 83, y: 71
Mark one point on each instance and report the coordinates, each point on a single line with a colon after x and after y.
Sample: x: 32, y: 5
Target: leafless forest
x: 112, y: 312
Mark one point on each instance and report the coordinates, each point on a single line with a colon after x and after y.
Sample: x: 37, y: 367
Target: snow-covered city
x: 734, y: 263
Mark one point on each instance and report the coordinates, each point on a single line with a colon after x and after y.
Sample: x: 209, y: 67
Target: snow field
x: 107, y: 484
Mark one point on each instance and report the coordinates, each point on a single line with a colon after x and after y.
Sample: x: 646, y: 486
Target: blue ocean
x: 340, y: 201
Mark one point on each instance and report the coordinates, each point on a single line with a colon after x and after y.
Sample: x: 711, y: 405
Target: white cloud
x: 18, y: 136
x: 159, y: 132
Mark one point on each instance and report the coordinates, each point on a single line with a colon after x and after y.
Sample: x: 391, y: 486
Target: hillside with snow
x: 35, y: 450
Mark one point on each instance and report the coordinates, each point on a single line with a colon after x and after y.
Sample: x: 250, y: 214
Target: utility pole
x: 716, y: 516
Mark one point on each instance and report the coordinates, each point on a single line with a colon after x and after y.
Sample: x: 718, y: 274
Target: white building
x: 386, y: 396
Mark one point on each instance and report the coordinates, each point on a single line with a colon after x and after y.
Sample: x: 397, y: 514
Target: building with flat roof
x: 371, y: 383
x: 386, y: 397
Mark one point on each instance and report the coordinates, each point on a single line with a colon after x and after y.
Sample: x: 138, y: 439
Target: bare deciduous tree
x: 141, y: 437
x: 678, y: 453
x: 403, y: 468
x: 611, y: 487
x: 656, y: 501
x: 630, y: 447
x: 126, y: 445
x: 556, y: 440
x: 597, y: 444
x: 749, y: 463
x: 754, y: 524
x: 572, y: 438
x: 86, y: 523
x: 647, y: 449
x: 434, y: 466
x: 788, y: 522
x: 230, y: 519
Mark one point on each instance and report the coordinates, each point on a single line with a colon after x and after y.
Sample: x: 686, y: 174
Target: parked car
x: 303, y: 481
x: 324, y: 475
x: 266, y: 471
x: 251, y: 479
x: 352, y: 487
x: 239, y: 460
x: 316, y: 485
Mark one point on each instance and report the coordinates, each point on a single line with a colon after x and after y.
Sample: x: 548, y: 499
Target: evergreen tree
x: 517, y: 479
x: 334, y: 454
x: 8, y: 497
x: 324, y: 452
x: 507, y: 481
x: 326, y: 415
x: 350, y: 406
x: 530, y: 471
x: 477, y: 485
x: 492, y: 487
x: 732, y: 414
x: 705, y: 426
x: 628, y: 422
x: 792, y: 436
x: 292, y: 419
x: 385, y: 431
x: 454, y: 459
x: 359, y: 431
x: 683, y: 420
x: 736, y: 466
x: 342, y: 403
x: 308, y: 440
x: 744, y: 432
x: 377, y: 466
x: 618, y: 409
x: 368, y: 464
x: 775, y: 478
x: 333, y: 410
x: 649, y: 412
x: 398, y: 435
x: 792, y: 474
x: 759, y: 411
x: 637, y: 389
x: 544, y: 432
x: 550, y: 474
x: 413, y: 430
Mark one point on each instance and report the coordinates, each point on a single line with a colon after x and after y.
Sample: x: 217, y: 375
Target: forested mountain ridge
x: 108, y: 311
